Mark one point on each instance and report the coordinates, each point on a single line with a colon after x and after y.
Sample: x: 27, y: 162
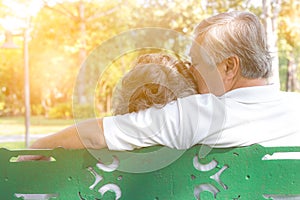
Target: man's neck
x: 244, y: 82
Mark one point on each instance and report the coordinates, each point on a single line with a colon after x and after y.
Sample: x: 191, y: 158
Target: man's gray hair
x: 237, y: 33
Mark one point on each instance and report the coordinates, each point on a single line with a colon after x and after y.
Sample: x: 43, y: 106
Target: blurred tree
x: 81, y: 14
x: 213, y: 7
x: 58, y: 42
x: 12, y: 65
x: 270, y: 13
x: 11, y: 82
x: 289, y: 43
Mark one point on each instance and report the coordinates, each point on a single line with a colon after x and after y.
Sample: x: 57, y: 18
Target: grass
x: 12, y: 145
x: 38, y: 125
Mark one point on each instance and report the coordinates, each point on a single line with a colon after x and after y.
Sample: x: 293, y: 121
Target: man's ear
x: 232, y: 66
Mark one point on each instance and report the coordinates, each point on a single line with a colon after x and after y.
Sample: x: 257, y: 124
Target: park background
x: 62, y: 33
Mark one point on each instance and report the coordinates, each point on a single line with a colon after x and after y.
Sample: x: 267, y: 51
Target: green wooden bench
x: 155, y: 173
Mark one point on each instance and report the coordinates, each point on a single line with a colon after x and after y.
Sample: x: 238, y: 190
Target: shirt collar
x: 255, y: 94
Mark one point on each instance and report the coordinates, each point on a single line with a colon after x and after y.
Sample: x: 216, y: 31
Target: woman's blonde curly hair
x: 154, y: 80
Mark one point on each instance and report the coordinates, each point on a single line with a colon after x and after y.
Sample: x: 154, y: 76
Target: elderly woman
x: 154, y: 80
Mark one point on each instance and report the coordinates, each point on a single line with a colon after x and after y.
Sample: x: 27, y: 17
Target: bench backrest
x: 155, y: 173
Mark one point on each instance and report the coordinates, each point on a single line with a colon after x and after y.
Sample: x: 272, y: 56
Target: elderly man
x: 236, y: 105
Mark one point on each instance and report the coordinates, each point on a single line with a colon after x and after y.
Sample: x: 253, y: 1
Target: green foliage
x: 84, y: 111
x: 289, y: 43
x: 37, y: 109
x: 66, y: 111
x: 61, y: 110
x: 11, y: 81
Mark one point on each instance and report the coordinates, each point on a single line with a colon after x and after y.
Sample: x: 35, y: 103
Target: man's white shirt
x: 241, y: 117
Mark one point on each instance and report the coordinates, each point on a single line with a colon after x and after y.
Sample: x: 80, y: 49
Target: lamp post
x: 9, y: 44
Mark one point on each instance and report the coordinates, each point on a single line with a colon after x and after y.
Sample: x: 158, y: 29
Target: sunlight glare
x: 24, y: 10
x: 20, y: 14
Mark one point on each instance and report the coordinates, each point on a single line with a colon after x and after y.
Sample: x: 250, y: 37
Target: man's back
x: 252, y: 115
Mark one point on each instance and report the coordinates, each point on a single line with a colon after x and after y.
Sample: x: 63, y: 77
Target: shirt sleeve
x: 142, y: 129
x: 180, y: 124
